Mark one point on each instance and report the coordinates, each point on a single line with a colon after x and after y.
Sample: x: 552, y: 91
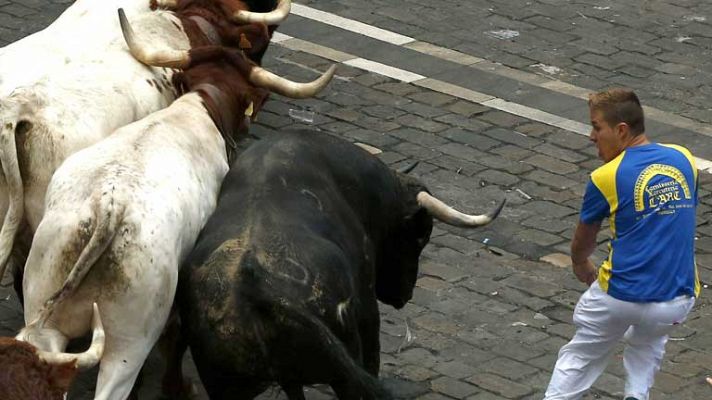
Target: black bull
x: 282, y: 285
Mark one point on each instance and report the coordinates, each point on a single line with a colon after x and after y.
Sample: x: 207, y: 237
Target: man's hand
x: 585, y: 272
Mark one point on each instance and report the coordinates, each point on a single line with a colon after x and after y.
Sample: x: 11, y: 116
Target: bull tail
x: 16, y: 204
x: 339, y: 357
x: 108, y: 219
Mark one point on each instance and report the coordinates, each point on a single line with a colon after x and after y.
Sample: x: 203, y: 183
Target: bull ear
x: 62, y: 375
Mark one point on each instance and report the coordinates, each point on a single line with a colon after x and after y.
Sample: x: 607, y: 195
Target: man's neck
x: 637, y: 140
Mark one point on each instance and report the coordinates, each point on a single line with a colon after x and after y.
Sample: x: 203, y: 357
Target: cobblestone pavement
x: 492, y: 306
x: 661, y: 48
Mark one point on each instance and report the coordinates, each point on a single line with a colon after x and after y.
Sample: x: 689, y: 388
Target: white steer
x: 83, y: 102
x: 86, y: 28
x: 83, y: 28
x: 122, y: 214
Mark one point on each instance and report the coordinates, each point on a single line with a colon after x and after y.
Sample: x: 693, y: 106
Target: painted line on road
x: 482, y: 64
x: 383, y: 69
x: 350, y: 25
x: 445, y: 88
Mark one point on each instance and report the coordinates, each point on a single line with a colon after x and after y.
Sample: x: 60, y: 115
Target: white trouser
x: 601, y: 321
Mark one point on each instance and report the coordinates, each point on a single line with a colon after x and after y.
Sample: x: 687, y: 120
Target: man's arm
x: 582, y: 246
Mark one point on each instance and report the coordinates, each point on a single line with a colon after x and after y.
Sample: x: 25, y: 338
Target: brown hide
x: 226, y: 71
x: 23, y: 376
x: 218, y: 15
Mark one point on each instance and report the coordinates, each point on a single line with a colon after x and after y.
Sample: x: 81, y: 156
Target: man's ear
x: 623, y: 130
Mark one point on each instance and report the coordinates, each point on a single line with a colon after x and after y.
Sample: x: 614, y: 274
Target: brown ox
x: 25, y: 376
x: 228, y: 23
x: 31, y: 374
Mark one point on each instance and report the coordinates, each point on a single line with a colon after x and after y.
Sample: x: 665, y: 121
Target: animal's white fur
x: 86, y: 27
x: 160, y: 178
x: 341, y: 311
x: 81, y: 103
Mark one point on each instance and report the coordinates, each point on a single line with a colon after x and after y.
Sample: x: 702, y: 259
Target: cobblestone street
x: 492, y: 306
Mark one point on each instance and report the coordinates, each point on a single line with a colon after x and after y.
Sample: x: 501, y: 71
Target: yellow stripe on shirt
x: 604, y: 177
x: 687, y: 155
x: 691, y: 159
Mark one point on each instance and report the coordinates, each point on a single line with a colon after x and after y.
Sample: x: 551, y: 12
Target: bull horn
x: 167, y: 58
x: 273, y: 17
x: 261, y: 77
x: 450, y: 216
x: 167, y: 4
x: 87, y: 359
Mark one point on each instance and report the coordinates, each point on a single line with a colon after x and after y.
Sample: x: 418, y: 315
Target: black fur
x: 282, y: 284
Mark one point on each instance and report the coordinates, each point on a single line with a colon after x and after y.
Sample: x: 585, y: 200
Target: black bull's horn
x: 172, y: 58
x: 447, y: 214
x: 450, y: 216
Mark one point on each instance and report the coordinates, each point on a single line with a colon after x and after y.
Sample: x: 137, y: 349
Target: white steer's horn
x: 87, y: 359
x: 273, y: 17
x: 147, y: 54
x: 275, y: 83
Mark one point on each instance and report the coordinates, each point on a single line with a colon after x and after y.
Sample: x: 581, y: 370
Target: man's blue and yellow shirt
x: 649, y: 193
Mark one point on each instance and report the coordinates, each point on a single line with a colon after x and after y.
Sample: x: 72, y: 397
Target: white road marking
x: 458, y: 91
x: 386, y: 70
x: 278, y: 37
x: 350, y: 25
x: 479, y: 63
